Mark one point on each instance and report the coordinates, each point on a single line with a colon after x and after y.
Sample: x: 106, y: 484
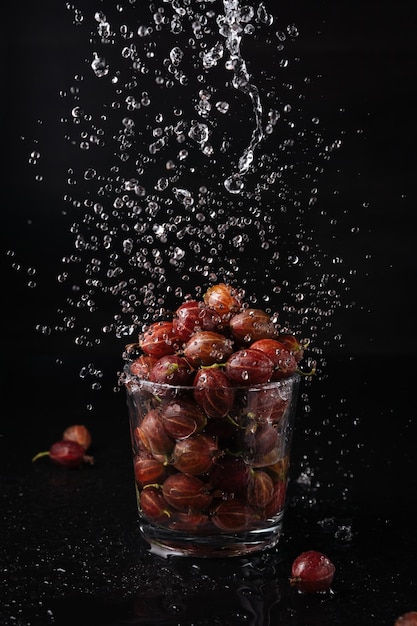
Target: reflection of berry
x: 311, y: 572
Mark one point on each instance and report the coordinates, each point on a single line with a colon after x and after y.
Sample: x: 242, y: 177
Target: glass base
x: 165, y: 542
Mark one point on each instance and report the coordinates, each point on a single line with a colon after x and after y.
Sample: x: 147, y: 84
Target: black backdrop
x: 359, y: 428
x: 361, y: 59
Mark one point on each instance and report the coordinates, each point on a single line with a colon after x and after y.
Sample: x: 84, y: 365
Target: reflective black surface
x: 71, y: 551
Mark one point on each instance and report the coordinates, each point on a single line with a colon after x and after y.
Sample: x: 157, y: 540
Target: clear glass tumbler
x: 210, y: 466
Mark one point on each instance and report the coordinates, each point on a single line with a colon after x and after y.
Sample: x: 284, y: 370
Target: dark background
x: 70, y: 548
x: 360, y: 60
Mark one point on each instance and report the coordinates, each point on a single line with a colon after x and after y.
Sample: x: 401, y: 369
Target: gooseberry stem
x: 213, y: 366
x: 237, y: 454
x: 235, y: 424
x: 312, y: 372
x: 40, y: 455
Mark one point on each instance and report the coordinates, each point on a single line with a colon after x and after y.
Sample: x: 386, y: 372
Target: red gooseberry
x: 251, y: 325
x: 262, y: 443
x: 214, y: 392
x: 207, y: 348
x: 66, y: 453
x: 153, y: 505
x: 151, y: 436
x: 78, y: 433
x: 186, y: 493
x: 249, y: 367
x: 172, y: 369
x: 285, y: 363
x: 268, y: 404
x: 193, y: 316
x: 195, y: 455
x: 223, y: 299
x: 142, y: 366
x: 159, y: 339
x: 312, y: 572
x: 148, y: 470
x: 291, y: 343
x: 182, y: 418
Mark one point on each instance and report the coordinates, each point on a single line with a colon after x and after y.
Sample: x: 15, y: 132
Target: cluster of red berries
x: 70, y: 450
x: 210, y: 391
x: 244, y: 345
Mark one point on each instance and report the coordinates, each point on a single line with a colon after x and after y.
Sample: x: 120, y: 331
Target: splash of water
x: 157, y: 207
x: 231, y: 26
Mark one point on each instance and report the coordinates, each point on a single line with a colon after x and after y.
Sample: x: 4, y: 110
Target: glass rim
x: 294, y: 378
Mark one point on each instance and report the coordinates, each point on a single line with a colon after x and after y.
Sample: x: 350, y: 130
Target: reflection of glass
x: 241, y: 591
x: 211, y: 484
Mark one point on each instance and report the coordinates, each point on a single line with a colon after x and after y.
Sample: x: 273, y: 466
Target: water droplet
x: 199, y: 174
x: 199, y: 132
x: 99, y: 66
